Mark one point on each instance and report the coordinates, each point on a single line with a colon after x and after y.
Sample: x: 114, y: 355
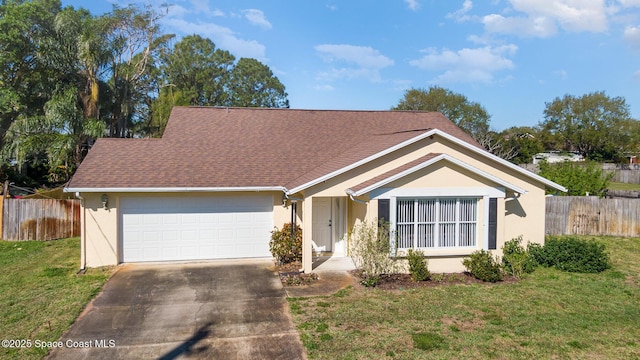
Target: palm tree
x: 63, y: 134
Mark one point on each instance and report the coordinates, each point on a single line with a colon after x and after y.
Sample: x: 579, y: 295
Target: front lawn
x: 623, y: 186
x: 549, y: 314
x: 40, y: 292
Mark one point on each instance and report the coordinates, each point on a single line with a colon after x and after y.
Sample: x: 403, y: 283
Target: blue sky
x: 511, y: 56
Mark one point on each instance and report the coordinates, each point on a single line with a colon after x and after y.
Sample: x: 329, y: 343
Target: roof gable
x: 419, y: 164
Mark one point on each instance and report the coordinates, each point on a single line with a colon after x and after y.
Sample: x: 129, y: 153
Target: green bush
x: 285, y: 248
x: 483, y: 266
x: 370, y: 249
x: 537, y: 253
x: 418, y: 266
x: 574, y: 255
x: 579, y: 178
x: 516, y: 260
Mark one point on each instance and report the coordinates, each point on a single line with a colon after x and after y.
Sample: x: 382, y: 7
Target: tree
x: 27, y: 79
x: 578, y: 178
x: 194, y: 73
x: 134, y: 41
x: 197, y: 70
x: 84, y: 56
x: 525, y: 142
x: 496, y: 144
x: 470, y: 116
x: 252, y: 84
x: 63, y: 135
x: 591, y: 124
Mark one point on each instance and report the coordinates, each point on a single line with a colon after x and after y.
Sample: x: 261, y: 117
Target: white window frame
x: 436, y: 223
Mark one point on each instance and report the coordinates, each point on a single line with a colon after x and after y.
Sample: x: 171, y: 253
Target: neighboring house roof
x: 217, y: 149
x: 557, y: 156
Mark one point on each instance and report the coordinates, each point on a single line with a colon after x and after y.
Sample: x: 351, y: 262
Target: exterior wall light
x: 105, y: 201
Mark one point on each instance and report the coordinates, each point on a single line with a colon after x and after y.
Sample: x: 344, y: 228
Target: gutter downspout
x: 356, y: 200
x: 83, y: 234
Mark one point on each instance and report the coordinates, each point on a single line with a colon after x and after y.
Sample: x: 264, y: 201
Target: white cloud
x: 323, y: 88
x: 197, y: 7
x: 467, y: 65
x: 364, y: 56
x: 357, y: 62
x: 217, y: 12
x: 538, y: 26
x: 223, y: 37
x: 629, y: 3
x: 562, y: 74
x: 257, y: 17
x: 632, y: 36
x: 542, y: 18
x: 637, y: 74
x: 461, y: 14
x: 413, y: 4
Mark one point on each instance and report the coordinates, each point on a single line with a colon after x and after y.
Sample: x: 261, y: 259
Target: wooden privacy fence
x: 590, y: 215
x: 40, y: 219
x: 626, y: 176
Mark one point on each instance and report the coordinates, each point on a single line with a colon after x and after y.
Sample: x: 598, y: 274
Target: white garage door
x: 195, y: 227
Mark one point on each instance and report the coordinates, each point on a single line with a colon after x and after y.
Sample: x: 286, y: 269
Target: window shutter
x: 383, y: 211
x: 493, y: 223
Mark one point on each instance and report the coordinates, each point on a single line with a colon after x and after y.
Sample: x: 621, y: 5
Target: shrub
x: 417, y: 265
x: 516, y: 260
x: 285, y: 248
x: 483, y: 266
x: 579, y: 178
x: 370, y: 250
x: 537, y: 253
x: 574, y: 255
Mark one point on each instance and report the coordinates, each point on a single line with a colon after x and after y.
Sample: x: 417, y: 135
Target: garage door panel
x: 194, y: 228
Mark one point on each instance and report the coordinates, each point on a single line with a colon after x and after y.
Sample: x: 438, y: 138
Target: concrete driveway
x: 210, y: 310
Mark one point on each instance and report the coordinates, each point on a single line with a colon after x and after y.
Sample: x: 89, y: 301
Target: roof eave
x: 173, y: 189
x: 545, y: 181
x: 430, y: 162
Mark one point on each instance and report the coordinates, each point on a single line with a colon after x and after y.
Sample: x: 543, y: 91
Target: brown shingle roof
x: 247, y: 147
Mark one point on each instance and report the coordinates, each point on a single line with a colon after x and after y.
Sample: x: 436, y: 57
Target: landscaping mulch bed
x: 290, y: 274
x: 404, y: 281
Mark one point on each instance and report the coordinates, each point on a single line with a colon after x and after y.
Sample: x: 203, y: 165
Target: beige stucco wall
x: 99, y: 242
x: 522, y: 214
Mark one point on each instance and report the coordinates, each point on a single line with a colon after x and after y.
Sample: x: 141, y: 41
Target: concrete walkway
x: 209, y: 310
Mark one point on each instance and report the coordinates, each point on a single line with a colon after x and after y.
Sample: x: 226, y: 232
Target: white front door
x: 322, y: 224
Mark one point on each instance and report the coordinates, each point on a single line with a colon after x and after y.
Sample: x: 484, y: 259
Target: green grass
x: 40, y: 292
x: 549, y: 314
x: 623, y: 186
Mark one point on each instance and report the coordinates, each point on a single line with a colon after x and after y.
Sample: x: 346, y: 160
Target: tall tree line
x: 68, y: 77
x: 596, y: 125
